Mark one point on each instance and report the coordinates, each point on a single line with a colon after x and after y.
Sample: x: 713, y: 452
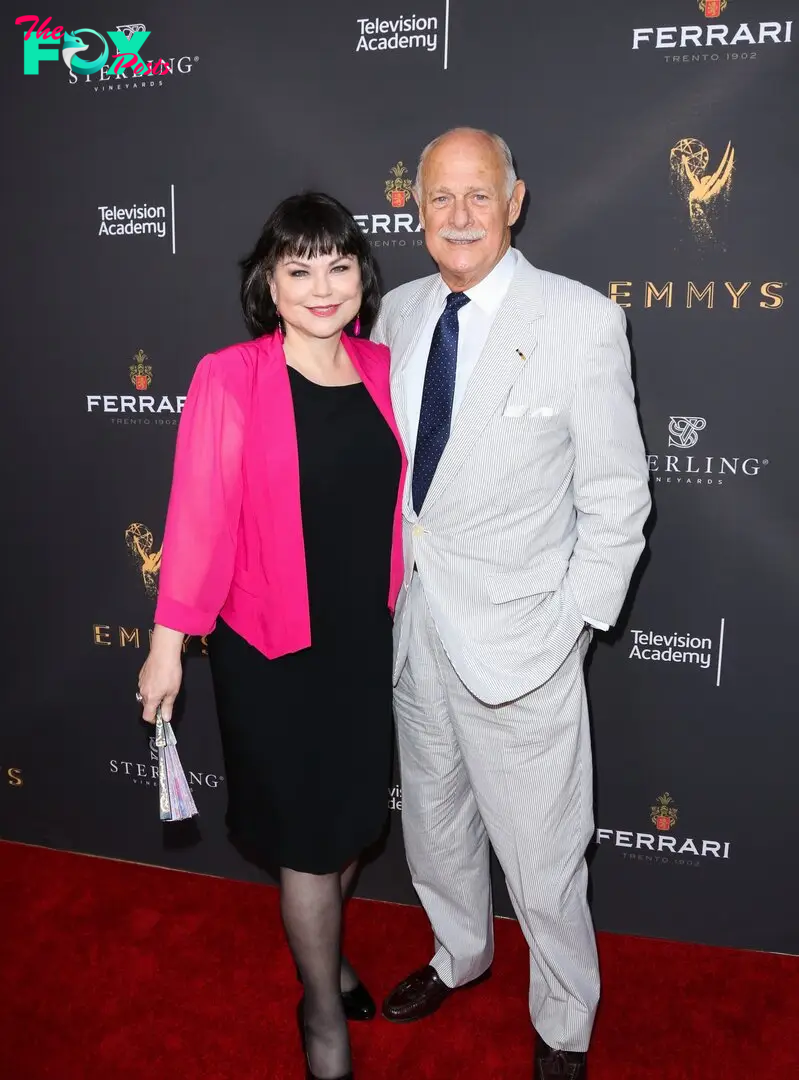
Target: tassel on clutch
x: 175, y: 799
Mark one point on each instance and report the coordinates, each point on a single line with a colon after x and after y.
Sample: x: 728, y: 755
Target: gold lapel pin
x: 521, y: 354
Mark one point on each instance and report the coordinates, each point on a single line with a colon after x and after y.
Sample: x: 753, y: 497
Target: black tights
x: 311, y: 906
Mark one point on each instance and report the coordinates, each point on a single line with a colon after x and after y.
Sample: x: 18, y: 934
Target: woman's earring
x: 357, y: 327
x: 280, y: 328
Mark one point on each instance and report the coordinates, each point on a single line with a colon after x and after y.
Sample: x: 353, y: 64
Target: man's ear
x: 516, y: 200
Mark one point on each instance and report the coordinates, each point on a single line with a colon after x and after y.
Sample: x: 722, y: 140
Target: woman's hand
x: 162, y: 673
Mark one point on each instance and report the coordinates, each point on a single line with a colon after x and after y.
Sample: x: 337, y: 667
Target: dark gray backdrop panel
x: 269, y: 102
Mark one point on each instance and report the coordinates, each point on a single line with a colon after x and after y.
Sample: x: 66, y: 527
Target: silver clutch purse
x: 175, y: 799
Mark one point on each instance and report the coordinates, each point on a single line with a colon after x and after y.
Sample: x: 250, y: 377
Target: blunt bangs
x: 304, y: 227
x: 306, y: 232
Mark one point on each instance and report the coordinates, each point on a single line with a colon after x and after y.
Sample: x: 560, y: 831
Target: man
x: 523, y: 517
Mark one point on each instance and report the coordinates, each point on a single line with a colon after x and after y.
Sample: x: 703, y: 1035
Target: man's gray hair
x: 502, y: 149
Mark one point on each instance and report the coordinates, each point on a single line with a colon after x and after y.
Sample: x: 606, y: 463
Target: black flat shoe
x: 358, y: 1003
x: 309, y: 1075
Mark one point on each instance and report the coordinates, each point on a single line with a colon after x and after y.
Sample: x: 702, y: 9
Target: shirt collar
x: 489, y: 293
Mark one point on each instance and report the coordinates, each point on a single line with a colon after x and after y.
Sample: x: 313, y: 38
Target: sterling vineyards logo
x: 699, y: 470
x: 712, y: 41
x: 686, y: 648
x: 397, y: 229
x: 663, y: 846
x: 91, y: 61
x: 684, y: 430
x: 145, y: 774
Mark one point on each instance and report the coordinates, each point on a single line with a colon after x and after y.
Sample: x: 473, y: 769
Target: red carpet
x: 113, y: 971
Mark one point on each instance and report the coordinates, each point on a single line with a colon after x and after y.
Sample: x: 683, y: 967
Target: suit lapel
x: 499, y: 366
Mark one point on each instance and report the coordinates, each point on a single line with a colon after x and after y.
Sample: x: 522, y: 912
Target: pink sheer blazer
x: 233, y: 543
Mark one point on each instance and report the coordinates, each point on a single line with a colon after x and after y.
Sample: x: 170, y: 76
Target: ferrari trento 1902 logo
x: 722, y: 41
x: 684, y: 430
x: 141, y: 373
x: 140, y: 407
x: 400, y: 189
x: 140, y: 545
x: 700, y: 189
x: 664, y: 813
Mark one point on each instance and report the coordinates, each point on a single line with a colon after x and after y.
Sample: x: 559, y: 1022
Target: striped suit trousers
x: 519, y: 776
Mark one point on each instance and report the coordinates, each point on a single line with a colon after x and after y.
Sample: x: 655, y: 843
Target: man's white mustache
x: 448, y: 233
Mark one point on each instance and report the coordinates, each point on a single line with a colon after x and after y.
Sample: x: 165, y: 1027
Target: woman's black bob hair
x: 302, y: 227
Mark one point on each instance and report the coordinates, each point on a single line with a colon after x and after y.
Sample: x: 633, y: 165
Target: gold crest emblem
x: 664, y: 814
x: 140, y: 544
x: 400, y: 189
x: 711, y: 9
x: 690, y: 160
x: 141, y: 373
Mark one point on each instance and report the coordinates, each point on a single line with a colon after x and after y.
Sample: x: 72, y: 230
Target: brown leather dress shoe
x: 416, y: 997
x: 420, y: 995
x: 558, y: 1064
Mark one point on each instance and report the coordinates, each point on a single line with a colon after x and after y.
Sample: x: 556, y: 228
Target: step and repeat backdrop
x: 659, y: 144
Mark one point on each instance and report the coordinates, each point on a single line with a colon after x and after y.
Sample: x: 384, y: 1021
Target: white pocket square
x: 524, y: 409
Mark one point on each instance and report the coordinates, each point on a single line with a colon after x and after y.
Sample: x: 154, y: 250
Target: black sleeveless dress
x: 307, y: 737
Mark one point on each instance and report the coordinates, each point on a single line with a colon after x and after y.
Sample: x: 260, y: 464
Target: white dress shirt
x: 474, y: 323
x: 475, y: 320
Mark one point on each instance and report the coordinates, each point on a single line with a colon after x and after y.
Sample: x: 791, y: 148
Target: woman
x: 284, y: 533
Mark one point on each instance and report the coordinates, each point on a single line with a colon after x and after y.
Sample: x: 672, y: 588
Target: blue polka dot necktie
x: 435, y: 416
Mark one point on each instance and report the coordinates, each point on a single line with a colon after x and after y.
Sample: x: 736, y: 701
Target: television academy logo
x: 390, y: 229
x: 141, y: 219
x: 717, y: 41
x: 686, y: 649
x: 698, y: 187
x: 690, y: 470
x: 661, y: 846
x: 401, y: 33
x: 141, y: 407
